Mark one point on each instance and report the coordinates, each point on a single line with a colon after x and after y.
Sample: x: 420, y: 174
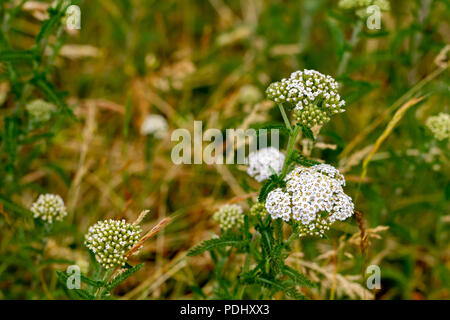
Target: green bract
x: 439, y: 125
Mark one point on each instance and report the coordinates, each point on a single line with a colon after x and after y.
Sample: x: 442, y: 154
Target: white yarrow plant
x: 264, y: 163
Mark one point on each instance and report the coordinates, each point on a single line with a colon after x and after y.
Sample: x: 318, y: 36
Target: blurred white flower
x: 49, y: 207
x: 314, y: 197
x: 439, y: 125
x: 229, y: 216
x: 314, y: 95
x: 249, y: 94
x: 111, y: 240
x: 155, y: 125
x: 264, y: 163
x: 360, y: 6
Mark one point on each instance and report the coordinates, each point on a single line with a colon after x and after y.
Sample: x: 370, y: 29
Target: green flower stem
x: 266, y: 294
x: 290, y: 149
x: 348, y: 54
x: 278, y: 228
x: 43, y: 247
x: 285, y: 118
x: 247, y: 261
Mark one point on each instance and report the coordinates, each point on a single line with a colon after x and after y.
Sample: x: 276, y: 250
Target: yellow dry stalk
x: 389, y: 128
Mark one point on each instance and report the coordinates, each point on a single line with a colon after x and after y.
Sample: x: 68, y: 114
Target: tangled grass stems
x: 398, y: 103
x: 214, y: 70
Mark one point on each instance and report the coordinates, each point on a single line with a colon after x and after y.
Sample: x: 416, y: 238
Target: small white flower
x: 229, y: 216
x: 155, y: 125
x: 264, y: 163
x: 278, y: 204
x: 110, y: 251
x: 49, y: 207
x: 249, y: 94
x: 313, y: 95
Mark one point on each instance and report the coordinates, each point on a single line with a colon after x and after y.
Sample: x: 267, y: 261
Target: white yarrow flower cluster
x: 439, y: 125
x: 229, y: 216
x: 264, y: 163
x: 111, y: 240
x: 313, y: 196
x: 315, y: 96
x: 155, y: 125
x: 49, y: 207
x: 360, y: 6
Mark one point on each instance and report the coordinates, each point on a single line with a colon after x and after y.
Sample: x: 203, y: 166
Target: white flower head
x: 111, y: 240
x: 40, y: 110
x: 314, y: 197
x: 229, y: 216
x: 155, y: 125
x: 439, y: 125
x: 49, y: 207
x: 264, y: 163
x: 314, y: 96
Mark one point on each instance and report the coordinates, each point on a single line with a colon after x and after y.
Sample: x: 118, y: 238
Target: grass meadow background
x: 203, y: 60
